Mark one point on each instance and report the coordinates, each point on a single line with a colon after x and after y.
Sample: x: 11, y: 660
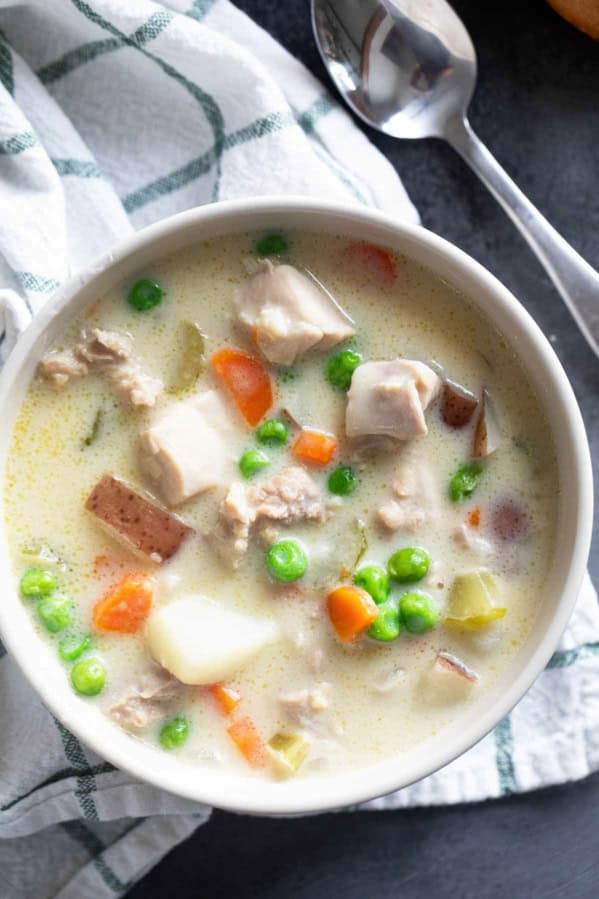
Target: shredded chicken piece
x: 104, y: 347
x: 415, y: 496
x: 466, y: 539
x: 59, y: 367
x: 291, y: 495
x: 302, y: 705
x: 390, y: 681
x: 107, y: 353
x: 144, y: 703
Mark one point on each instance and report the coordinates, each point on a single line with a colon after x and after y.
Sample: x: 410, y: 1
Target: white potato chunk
x: 187, y: 449
x: 390, y: 399
x: 288, y: 314
x: 202, y: 642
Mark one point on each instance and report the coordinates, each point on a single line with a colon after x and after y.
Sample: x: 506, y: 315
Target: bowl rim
x: 322, y: 793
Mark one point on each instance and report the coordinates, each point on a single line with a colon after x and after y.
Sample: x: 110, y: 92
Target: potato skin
x: 137, y: 522
x: 457, y: 405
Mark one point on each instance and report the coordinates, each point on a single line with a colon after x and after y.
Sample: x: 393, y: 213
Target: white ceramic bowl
x: 221, y: 787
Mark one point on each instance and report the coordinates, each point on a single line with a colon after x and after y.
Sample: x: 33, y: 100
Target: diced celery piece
x: 287, y: 753
x: 471, y: 601
x: 192, y: 358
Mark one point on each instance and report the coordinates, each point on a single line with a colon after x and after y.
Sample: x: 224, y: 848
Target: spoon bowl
x: 408, y: 69
x: 405, y: 69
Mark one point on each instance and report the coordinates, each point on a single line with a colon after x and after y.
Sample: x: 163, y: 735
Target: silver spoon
x: 408, y: 68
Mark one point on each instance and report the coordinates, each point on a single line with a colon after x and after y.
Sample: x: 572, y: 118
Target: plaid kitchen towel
x: 113, y: 115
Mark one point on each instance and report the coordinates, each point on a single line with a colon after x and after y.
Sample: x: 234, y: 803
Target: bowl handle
x: 14, y: 318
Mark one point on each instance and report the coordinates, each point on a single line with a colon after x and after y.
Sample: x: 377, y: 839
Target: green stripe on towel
x: 81, y: 168
x: 6, y: 67
x: 563, y: 658
x: 70, y: 61
x: 199, y: 9
x: 36, y: 283
x: 86, y: 782
x: 96, y: 848
x: 206, y: 101
x: 17, y: 143
x: 504, y: 760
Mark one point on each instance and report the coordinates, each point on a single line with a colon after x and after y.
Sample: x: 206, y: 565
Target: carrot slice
x: 351, y: 610
x: 377, y: 262
x: 474, y: 517
x: 226, y: 697
x: 247, y: 381
x: 314, y: 447
x: 126, y: 605
x: 249, y: 742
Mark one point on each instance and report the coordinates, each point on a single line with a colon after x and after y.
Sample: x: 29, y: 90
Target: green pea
x: 145, y: 294
x: 253, y: 461
x: 375, y: 581
x: 340, y: 368
x: 418, y: 612
x: 387, y: 625
x: 71, y: 646
x: 174, y: 733
x: 36, y: 582
x: 465, y: 481
x: 55, y: 612
x: 88, y: 677
x: 273, y: 244
x: 342, y: 481
x: 273, y: 432
x: 409, y: 564
x: 286, y: 561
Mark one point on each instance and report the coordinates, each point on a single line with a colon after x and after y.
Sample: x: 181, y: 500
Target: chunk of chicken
x: 415, y: 496
x: 110, y: 354
x: 289, y: 496
x: 58, y: 367
x: 288, y: 314
x: 390, y: 399
x: 304, y: 707
x: 102, y: 347
x: 143, y: 704
x: 141, y: 525
x: 449, y: 680
x: 468, y: 540
x: 187, y: 449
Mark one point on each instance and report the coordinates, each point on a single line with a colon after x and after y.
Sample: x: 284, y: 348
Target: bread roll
x: 584, y: 14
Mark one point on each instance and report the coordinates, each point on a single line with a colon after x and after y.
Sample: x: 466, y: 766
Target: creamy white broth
x: 51, y: 472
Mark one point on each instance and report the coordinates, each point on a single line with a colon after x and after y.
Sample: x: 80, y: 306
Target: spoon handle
x: 574, y: 278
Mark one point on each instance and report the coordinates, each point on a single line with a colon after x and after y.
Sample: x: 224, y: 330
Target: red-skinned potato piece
x: 457, y: 405
x: 137, y: 522
x: 486, y: 435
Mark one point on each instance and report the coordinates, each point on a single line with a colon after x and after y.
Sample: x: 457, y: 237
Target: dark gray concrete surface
x: 537, y: 107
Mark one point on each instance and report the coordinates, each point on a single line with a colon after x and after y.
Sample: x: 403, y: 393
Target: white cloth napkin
x: 113, y: 115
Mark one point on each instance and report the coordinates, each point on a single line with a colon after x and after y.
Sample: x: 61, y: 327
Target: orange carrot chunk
x: 375, y: 261
x: 126, y: 605
x: 249, y: 742
x: 247, y: 382
x: 314, y: 447
x: 474, y: 517
x: 351, y: 610
x: 226, y: 697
